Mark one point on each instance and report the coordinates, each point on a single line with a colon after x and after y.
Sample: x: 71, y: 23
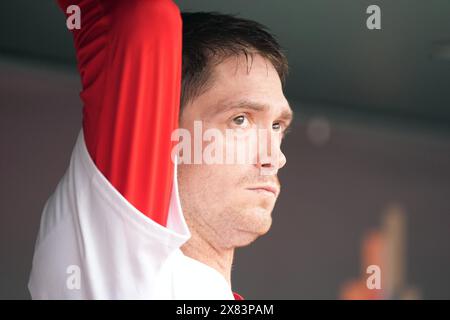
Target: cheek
x: 225, y: 186
x: 204, y: 179
x: 241, y: 147
x: 215, y: 181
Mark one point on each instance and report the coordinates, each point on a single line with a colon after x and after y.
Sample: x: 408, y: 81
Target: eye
x: 281, y: 127
x: 240, y: 121
x: 276, y: 126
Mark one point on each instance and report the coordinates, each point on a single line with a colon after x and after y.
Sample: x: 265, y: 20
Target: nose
x: 270, y: 157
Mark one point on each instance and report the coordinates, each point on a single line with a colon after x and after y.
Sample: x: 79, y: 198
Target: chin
x: 256, y: 226
x: 262, y: 220
x: 245, y: 238
x: 265, y: 227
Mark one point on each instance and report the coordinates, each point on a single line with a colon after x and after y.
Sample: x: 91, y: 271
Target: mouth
x: 269, y: 190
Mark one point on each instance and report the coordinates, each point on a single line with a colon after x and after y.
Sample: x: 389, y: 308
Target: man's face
x: 231, y: 204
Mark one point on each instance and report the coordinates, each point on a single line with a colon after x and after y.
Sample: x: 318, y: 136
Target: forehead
x: 241, y: 79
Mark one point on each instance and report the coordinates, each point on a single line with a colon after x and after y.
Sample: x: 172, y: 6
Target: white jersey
x: 93, y: 244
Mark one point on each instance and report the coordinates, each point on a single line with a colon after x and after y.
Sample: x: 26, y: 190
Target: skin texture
x: 220, y: 210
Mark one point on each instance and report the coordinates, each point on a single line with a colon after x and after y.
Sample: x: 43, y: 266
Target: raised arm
x: 129, y: 59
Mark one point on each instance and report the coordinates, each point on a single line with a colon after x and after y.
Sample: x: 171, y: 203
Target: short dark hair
x: 211, y: 37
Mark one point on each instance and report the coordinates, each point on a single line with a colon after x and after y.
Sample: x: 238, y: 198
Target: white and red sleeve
x: 129, y: 58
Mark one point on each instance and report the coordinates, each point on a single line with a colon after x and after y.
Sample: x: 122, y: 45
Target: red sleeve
x: 129, y: 58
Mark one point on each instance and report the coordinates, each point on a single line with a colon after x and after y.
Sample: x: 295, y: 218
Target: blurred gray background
x: 372, y: 129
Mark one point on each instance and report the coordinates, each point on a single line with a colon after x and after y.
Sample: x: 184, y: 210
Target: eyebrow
x: 286, y: 115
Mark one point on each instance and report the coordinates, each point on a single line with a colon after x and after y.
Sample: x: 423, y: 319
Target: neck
x: 199, y: 248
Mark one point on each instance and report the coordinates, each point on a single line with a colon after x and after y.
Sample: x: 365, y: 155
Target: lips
x: 266, y: 188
